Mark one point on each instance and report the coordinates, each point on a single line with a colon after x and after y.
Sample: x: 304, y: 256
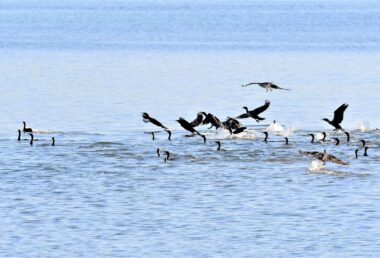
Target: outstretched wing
x: 338, y: 114
x: 261, y: 109
x: 242, y: 116
x: 314, y: 154
x: 248, y: 84
x: 197, y: 121
x: 336, y: 160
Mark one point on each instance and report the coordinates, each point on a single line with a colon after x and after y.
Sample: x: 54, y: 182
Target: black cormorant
x: 338, y: 117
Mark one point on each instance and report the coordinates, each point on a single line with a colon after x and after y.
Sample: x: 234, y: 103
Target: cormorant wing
x: 197, y: 121
x: 336, y: 160
x: 314, y: 154
x: 261, y: 109
x: 245, y: 115
x: 338, y: 114
x: 248, y: 84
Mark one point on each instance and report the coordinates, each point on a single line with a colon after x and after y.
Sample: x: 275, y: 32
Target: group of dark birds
x: 233, y: 125
x: 30, y: 132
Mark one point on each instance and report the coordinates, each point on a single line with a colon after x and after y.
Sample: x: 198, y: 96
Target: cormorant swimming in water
x: 152, y: 133
x: 31, y: 138
x: 219, y: 145
x: 255, y: 113
x: 19, y: 135
x: 286, y: 140
x: 348, y: 136
x: 338, y: 117
x: 324, y: 136
x: 170, y: 135
x: 26, y: 130
x: 323, y: 156
x: 158, y: 152
x: 312, y: 137
x: 197, y: 121
x: 266, y: 85
x: 365, y: 151
x: 356, y: 153
x: 266, y: 137
x: 52, y: 141
x: 337, y: 141
x: 363, y: 141
x: 147, y: 119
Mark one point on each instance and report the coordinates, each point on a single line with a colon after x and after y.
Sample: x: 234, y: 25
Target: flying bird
x: 255, y: 113
x: 198, y: 120
x: 213, y: 120
x: 338, y: 117
x: 149, y: 119
x: 323, y: 156
x: 187, y: 126
x: 266, y: 85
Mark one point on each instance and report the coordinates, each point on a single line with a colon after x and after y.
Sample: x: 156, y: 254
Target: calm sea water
x: 84, y: 72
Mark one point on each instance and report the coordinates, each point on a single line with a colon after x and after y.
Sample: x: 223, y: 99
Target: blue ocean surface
x: 84, y: 71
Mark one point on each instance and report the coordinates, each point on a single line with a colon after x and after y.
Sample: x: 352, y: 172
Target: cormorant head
x: 204, y: 138
x: 167, y: 155
x: 325, y: 119
x: 158, y: 152
x: 363, y: 141
x: 246, y: 109
x: 145, y: 115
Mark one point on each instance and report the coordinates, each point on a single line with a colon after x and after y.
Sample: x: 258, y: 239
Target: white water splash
x: 316, y: 166
x: 278, y: 129
x: 363, y: 126
x: 275, y: 128
x: 222, y: 133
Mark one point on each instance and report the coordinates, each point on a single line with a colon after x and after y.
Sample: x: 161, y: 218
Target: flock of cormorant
x: 233, y: 125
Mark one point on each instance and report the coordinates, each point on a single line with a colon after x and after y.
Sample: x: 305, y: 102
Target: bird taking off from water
x: 266, y: 85
x: 255, y: 113
x: 338, y: 117
x: 148, y: 119
x: 323, y: 156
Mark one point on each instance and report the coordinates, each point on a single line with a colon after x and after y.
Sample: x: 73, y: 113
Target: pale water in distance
x: 84, y: 72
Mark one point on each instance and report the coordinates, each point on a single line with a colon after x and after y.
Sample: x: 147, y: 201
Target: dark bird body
x: 148, y: 119
x: 213, y: 120
x: 338, y: 117
x: 255, y: 113
x: 266, y: 137
x: 198, y: 120
x: 26, y: 130
x: 31, y: 139
x: 232, y: 124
